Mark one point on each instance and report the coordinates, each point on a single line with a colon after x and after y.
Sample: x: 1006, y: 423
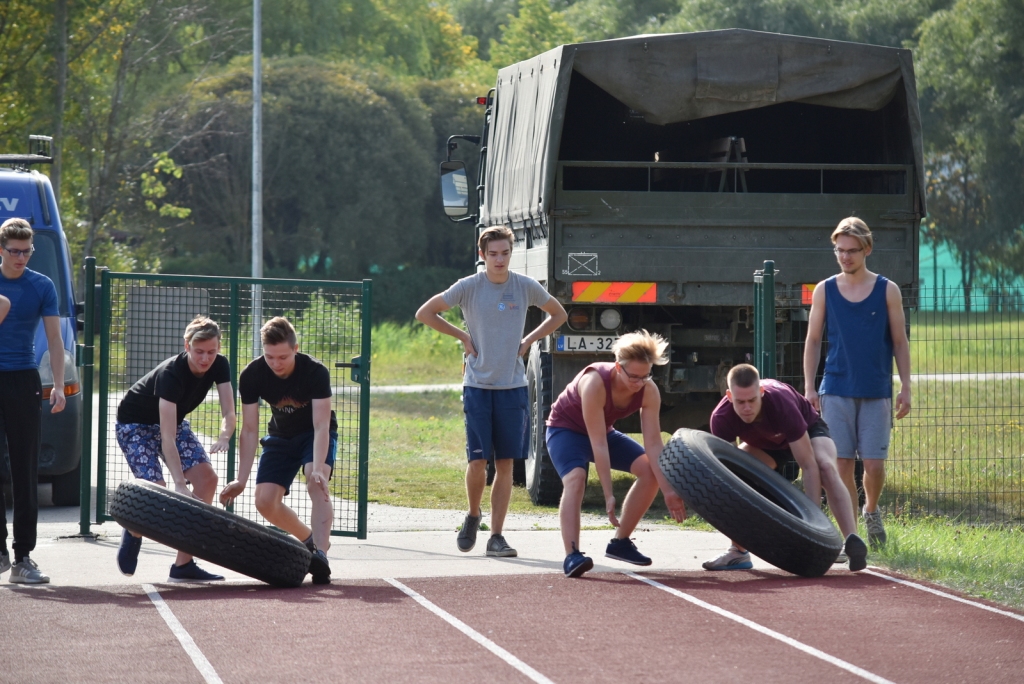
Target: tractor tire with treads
x: 207, y: 532
x: 750, y: 503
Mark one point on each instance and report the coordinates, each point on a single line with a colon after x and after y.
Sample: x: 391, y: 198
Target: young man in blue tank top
x: 494, y: 394
x: 866, y: 330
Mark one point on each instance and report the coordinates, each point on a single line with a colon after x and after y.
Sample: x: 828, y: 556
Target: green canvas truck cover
x: 673, y: 78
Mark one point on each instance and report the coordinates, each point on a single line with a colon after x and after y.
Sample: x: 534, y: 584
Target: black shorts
x: 783, y: 456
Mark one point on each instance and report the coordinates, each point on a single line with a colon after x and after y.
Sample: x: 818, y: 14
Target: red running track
x: 749, y: 626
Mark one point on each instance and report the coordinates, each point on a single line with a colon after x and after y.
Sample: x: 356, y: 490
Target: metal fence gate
x: 141, y: 320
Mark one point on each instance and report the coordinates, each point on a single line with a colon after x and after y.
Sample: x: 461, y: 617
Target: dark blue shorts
x: 497, y: 422
x: 283, y: 457
x: 569, y: 449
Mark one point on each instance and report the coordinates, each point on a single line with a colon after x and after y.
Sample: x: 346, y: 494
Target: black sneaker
x: 625, y: 550
x: 128, y: 553
x: 576, y: 564
x: 190, y: 572
x: 857, y: 551
x: 497, y: 546
x: 467, y: 534
x: 320, y: 568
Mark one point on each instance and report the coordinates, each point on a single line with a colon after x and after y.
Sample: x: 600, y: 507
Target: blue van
x: 27, y: 194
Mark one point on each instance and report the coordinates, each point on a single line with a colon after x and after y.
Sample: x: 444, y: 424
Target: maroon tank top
x: 568, y: 409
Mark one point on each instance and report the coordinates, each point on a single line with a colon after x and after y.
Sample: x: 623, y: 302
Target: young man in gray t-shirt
x: 494, y: 395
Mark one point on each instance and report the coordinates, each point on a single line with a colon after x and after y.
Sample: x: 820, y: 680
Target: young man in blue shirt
x: 32, y: 298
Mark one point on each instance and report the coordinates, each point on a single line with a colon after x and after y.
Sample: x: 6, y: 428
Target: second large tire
x: 210, y: 533
x: 750, y: 503
x: 542, y: 480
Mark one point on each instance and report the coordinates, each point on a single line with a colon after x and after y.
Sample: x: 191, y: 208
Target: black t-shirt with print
x: 174, y: 381
x: 291, y: 398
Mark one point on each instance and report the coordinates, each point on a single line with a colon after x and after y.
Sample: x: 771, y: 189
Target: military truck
x: 647, y: 178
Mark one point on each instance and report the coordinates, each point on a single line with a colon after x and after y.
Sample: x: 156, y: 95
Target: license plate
x: 585, y: 343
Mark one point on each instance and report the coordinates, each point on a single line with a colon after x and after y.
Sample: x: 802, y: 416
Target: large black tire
x: 542, y: 481
x: 67, y: 488
x: 750, y: 503
x: 210, y: 533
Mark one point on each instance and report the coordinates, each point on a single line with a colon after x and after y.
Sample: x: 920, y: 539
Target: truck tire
x: 67, y: 488
x: 750, y: 503
x: 542, y: 481
x: 210, y: 533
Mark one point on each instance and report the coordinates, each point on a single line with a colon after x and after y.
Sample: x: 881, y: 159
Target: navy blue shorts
x: 283, y: 457
x: 569, y: 449
x: 497, y: 422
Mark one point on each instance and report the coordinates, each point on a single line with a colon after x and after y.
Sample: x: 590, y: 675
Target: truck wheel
x: 542, y: 481
x: 210, y: 533
x: 750, y: 503
x: 67, y: 488
x: 518, y: 473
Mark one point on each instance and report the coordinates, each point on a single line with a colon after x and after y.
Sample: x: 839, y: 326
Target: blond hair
x: 201, y: 328
x: 15, y: 229
x: 744, y: 375
x: 641, y: 346
x: 496, y: 233
x: 855, y: 228
x: 277, y: 330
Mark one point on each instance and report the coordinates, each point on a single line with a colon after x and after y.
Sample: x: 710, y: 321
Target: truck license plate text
x: 585, y: 343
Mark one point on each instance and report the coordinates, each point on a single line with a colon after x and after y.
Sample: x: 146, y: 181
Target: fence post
x: 235, y: 326
x: 366, y: 353
x: 764, y: 320
x: 101, y: 436
x: 88, y: 348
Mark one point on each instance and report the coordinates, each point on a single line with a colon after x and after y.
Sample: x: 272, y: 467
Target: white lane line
x: 945, y: 595
x: 472, y: 634
x: 198, y: 659
x: 800, y: 646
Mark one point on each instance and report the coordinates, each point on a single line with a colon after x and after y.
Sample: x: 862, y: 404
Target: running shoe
x: 876, y: 530
x: 27, y: 572
x: 467, y: 533
x: 497, y: 546
x: 319, y: 567
x: 857, y: 551
x: 841, y: 558
x: 128, y: 553
x: 625, y: 550
x: 576, y: 564
x: 190, y: 572
x: 733, y: 559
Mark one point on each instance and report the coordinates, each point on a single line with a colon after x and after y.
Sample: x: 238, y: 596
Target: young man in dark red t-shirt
x: 775, y: 423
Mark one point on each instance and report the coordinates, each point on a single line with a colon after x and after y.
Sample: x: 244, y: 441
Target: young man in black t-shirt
x: 151, y: 425
x: 303, y: 433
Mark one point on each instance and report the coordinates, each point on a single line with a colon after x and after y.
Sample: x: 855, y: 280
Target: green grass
x: 983, y: 561
x: 966, y: 343
x: 414, y: 354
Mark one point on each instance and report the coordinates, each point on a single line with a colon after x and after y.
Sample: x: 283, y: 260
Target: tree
x: 536, y: 29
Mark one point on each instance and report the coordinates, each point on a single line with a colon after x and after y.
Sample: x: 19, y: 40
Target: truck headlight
x: 610, y: 319
x: 71, y: 382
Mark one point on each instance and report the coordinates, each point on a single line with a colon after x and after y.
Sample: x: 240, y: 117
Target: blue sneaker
x: 625, y: 550
x: 190, y: 572
x: 319, y: 567
x: 128, y: 554
x: 576, y: 564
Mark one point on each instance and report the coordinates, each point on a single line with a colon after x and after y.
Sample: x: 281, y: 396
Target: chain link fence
x: 144, y: 318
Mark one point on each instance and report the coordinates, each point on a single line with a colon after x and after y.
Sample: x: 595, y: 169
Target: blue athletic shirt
x: 32, y: 297
x: 859, y: 360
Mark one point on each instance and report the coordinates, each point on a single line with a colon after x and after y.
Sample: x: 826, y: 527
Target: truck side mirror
x: 454, y: 189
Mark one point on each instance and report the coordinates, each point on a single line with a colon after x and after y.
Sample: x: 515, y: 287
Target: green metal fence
x: 960, y: 452
x: 141, y: 322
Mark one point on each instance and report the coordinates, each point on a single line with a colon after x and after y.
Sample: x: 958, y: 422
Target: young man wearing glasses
x: 581, y: 431
x: 494, y: 394
x: 32, y: 298
x: 866, y: 330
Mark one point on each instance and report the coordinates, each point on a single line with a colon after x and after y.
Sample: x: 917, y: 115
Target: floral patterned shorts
x: 141, y: 446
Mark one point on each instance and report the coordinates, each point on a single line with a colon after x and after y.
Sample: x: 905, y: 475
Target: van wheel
x: 542, y: 481
x: 67, y: 488
x: 207, y: 532
x: 750, y: 503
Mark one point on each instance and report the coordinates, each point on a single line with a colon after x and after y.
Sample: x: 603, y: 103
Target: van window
x: 46, y: 260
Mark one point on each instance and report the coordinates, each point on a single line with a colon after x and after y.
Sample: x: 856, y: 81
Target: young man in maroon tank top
x: 580, y: 431
x: 867, y: 329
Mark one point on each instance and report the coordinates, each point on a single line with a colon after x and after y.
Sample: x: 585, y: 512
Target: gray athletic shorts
x: 860, y: 427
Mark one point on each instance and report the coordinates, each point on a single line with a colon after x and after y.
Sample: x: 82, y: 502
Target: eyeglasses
x: 20, y: 252
x: 637, y: 378
x: 847, y: 252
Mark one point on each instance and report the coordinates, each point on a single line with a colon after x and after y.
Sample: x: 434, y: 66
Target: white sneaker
x: 27, y: 572
x: 733, y: 559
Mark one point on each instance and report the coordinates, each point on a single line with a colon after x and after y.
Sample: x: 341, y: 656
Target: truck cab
x: 26, y: 193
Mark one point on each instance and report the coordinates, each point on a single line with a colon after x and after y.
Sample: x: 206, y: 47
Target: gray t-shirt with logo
x: 495, y: 317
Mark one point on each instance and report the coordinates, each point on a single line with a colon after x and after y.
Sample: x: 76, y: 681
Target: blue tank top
x: 859, y: 360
